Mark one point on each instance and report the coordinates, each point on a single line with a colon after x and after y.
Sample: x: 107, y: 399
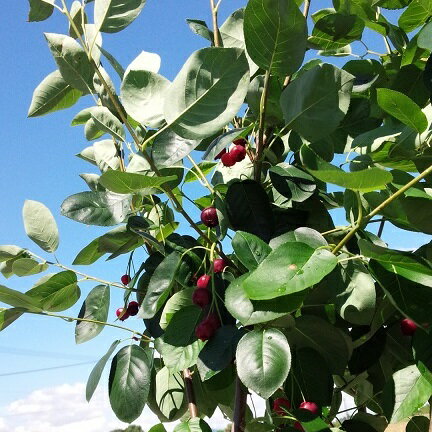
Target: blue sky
x: 38, y: 163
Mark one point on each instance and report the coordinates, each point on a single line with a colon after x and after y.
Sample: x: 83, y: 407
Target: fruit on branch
x: 122, y: 314
x: 203, y: 281
x: 240, y: 142
x: 281, y: 406
x: 219, y: 265
x: 238, y: 153
x: 201, y: 297
x: 228, y: 160
x: 220, y: 154
x: 207, y: 327
x: 125, y: 279
x: 298, y: 426
x: 133, y: 308
x: 209, y: 217
x: 408, y: 327
x: 312, y: 407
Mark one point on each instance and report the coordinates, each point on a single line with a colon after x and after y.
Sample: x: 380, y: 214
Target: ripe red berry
x: 125, y: 279
x: 213, y: 320
x: 298, y: 426
x: 203, y: 281
x: 122, y: 314
x: 204, y: 331
x: 219, y: 265
x: 238, y: 153
x: 220, y: 154
x: 281, y: 406
x: 312, y: 407
x: 228, y: 160
x: 408, y: 327
x: 133, y: 308
x: 201, y: 297
x: 240, y: 141
x: 209, y: 217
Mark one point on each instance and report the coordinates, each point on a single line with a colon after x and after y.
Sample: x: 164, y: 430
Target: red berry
x: 219, y: 155
x: 204, y: 331
x: 122, y: 314
x: 219, y: 265
x: 213, y: 320
x: 125, y: 279
x: 312, y: 407
x: 281, y: 405
x: 201, y: 297
x: 298, y: 426
x: 238, y: 153
x: 228, y: 160
x: 240, y: 141
x: 203, y: 281
x: 408, y: 327
x: 133, y: 308
x: 209, y: 217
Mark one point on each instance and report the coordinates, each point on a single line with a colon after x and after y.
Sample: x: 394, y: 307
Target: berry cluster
x: 131, y: 310
x: 236, y: 154
x: 281, y: 406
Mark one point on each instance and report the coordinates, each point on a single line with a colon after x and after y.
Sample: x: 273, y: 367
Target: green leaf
x: 95, y: 307
x: 336, y: 30
x: 108, y: 122
x: 303, y: 235
x: 161, y: 282
x: 403, y: 263
x: 410, y: 390
x: 57, y: 293
x: 8, y: 316
x: 290, y: 268
x: 113, y: 62
x: 52, y: 94
x: 96, y: 208
x: 223, y: 141
x: 363, y: 181
x: 275, y: 35
x: 403, y: 108
x: 112, y: 16
x: 415, y: 15
x: 193, y: 425
x: 169, y: 392
x: 28, y: 266
x: 425, y: 37
x: 96, y: 373
x: 124, y: 182
x: 181, y: 328
x: 418, y: 424
x: 18, y: 299
x: 178, y: 301
x: 207, y: 93
x: 250, y: 249
x: 206, y: 168
x: 79, y: 18
x: 319, y: 97
x: 168, y: 148
x: 8, y: 252
x: 248, y: 209
x: 265, y: 359
x: 40, y: 10
x: 72, y: 61
x: 248, y: 312
x: 40, y: 225
x: 143, y: 91
x: 200, y: 28
x: 106, y: 155
x: 129, y: 382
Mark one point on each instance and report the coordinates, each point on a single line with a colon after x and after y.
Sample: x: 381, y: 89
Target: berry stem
x: 199, y: 171
x: 190, y: 394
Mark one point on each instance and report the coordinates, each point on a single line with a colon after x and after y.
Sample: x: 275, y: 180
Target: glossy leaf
x: 265, y: 359
x: 108, y: 123
x: 129, y: 382
x: 175, y: 303
x: 27, y: 266
x: 40, y: 225
x: 95, y: 307
x: 193, y: 425
x: 40, y: 10
x: 169, y: 392
x: 8, y: 252
x: 52, y: 94
x: 8, y: 316
x: 181, y: 328
x: 319, y: 97
x: 275, y: 35
x: 96, y: 373
x: 415, y: 15
x: 207, y: 92
x: 200, y: 28
x: 112, y: 16
x: 250, y: 249
x: 19, y: 300
x: 290, y: 268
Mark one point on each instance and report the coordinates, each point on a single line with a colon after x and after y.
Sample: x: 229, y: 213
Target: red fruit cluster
x: 131, y: 310
x: 219, y: 265
x: 408, y: 327
x: 281, y: 406
x: 236, y: 154
x: 207, y: 327
x: 209, y: 217
x: 125, y: 279
x: 202, y: 296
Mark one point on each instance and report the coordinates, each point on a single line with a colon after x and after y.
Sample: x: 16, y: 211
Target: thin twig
x: 214, y: 11
x: 190, y: 394
x: 381, y: 227
x: 238, y: 424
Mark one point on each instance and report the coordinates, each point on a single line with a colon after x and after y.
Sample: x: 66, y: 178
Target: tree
x: 267, y: 295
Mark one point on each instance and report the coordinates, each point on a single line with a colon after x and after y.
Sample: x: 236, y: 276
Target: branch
x: 214, y: 10
x: 384, y: 204
x: 430, y: 414
x: 238, y: 424
x: 190, y: 394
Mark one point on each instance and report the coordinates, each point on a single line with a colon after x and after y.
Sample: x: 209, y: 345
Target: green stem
x: 262, y: 116
x: 203, y: 177
x: 378, y: 209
